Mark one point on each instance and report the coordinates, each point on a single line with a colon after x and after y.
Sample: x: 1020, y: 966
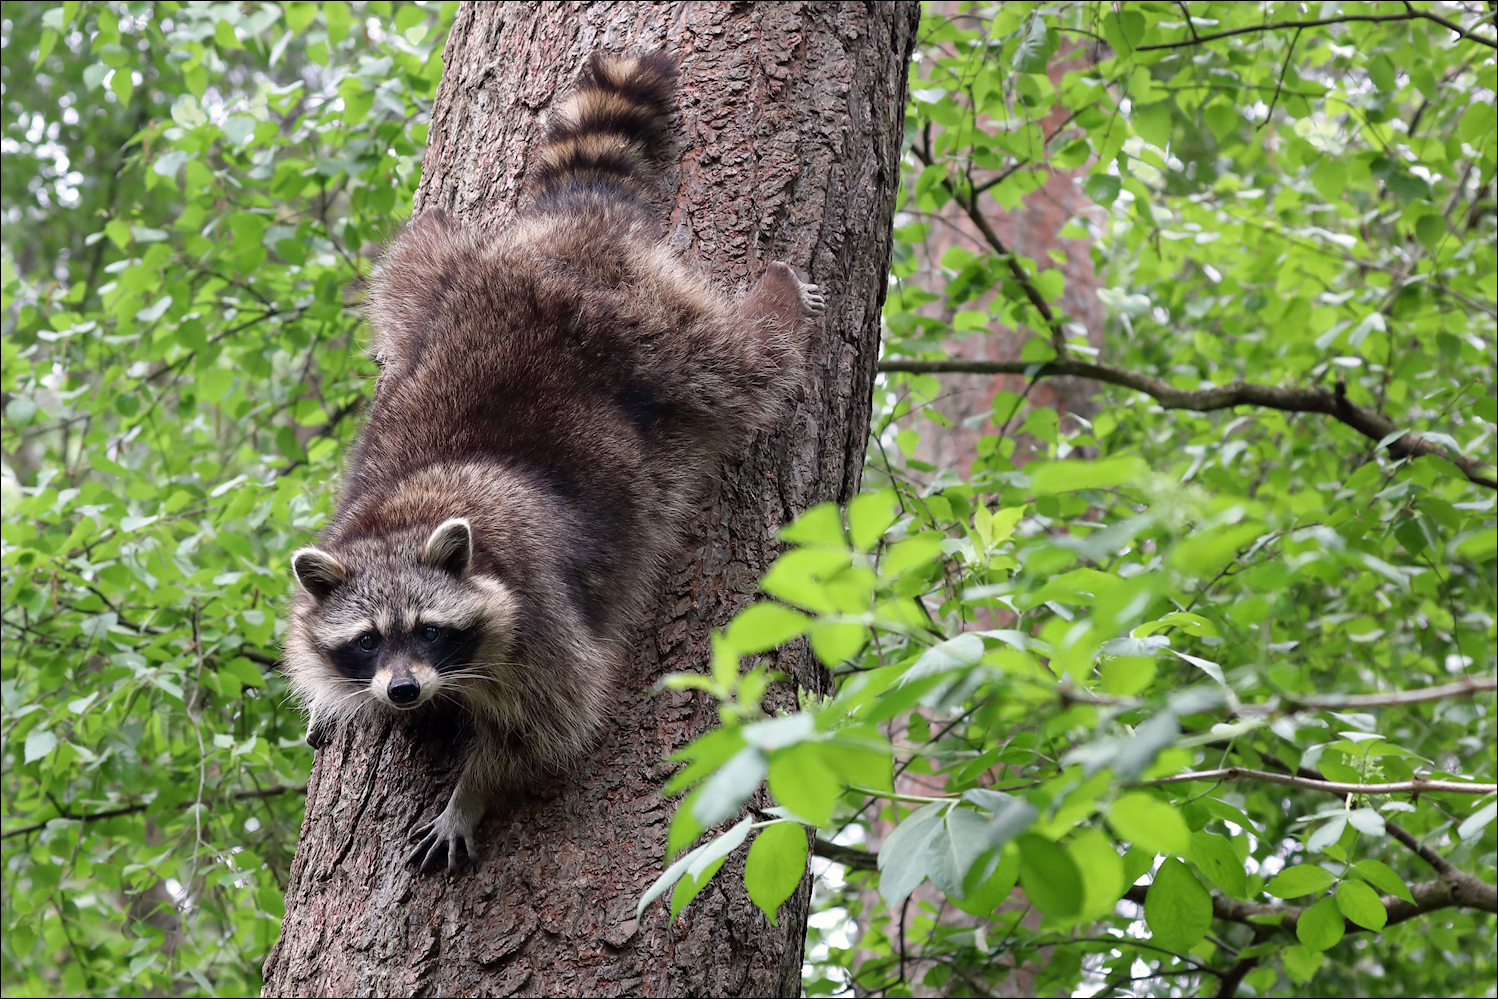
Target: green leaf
x: 1067, y: 476
x: 1125, y: 676
x: 1302, y: 879
x: 1473, y: 825
x: 764, y: 626
x: 870, y: 515
x: 39, y: 742
x: 1330, y: 178
x: 803, y: 783
x: 224, y: 37
x: 1103, y: 188
x: 338, y: 17
x: 1361, y: 904
x: 1321, y: 926
x: 1102, y: 871
x: 962, y: 652
x: 1177, y: 908
x: 775, y: 866
x: 903, y: 858
x: 1124, y: 29
x: 1153, y: 123
x: 982, y: 899
x: 118, y: 231
x: 835, y: 642
x: 727, y: 790
x: 821, y: 526
x: 1223, y: 119
x: 1431, y: 231
x: 45, y: 45
x: 1150, y: 823
x: 695, y: 862
x: 300, y: 13
x: 1300, y: 962
x: 1050, y: 877
x: 1036, y: 46
x: 1381, y: 876
x: 1215, y: 857
x: 952, y: 850
x: 187, y: 113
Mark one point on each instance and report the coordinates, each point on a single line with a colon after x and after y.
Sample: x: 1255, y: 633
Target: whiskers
x: 360, y: 690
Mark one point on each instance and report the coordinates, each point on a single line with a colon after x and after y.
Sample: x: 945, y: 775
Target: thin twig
x: 1414, y: 15
x: 1280, y: 85
x: 1416, y: 786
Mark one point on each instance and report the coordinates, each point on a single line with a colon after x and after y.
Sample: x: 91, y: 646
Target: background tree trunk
x: 788, y: 134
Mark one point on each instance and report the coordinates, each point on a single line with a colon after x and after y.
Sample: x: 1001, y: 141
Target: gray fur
x: 551, y: 404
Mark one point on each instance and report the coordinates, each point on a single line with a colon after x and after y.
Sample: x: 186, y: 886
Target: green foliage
x: 1047, y: 643
x: 1028, y: 654
x: 189, y: 190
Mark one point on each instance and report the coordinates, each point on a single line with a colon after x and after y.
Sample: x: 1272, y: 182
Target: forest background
x: 1175, y: 679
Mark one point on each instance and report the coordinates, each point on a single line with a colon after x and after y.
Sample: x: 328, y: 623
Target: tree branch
x: 1459, y: 889
x: 1470, y: 685
x: 1330, y: 702
x: 113, y: 813
x: 1413, y: 15
x: 1442, y: 866
x: 969, y: 205
x: 259, y: 657
x: 849, y: 857
x: 1291, y: 399
x: 1416, y: 786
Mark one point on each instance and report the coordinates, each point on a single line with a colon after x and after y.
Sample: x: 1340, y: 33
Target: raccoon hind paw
x: 438, y: 841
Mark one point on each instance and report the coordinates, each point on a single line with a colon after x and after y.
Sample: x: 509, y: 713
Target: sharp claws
x: 438, y: 841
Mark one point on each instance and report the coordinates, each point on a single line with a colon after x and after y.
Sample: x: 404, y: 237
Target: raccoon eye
x: 431, y: 633
x: 368, y: 641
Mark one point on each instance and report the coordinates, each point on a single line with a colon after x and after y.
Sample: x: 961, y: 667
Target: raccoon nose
x: 404, y: 690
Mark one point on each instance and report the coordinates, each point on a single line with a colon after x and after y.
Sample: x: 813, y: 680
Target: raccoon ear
x: 319, y: 572
x: 450, y: 547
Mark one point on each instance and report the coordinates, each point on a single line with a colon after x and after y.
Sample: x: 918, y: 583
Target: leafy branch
x: 1291, y: 399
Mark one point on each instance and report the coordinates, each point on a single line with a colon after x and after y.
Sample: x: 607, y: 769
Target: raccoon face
x: 398, y: 625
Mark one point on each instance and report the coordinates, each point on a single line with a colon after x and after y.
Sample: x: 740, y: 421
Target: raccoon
x: 550, y: 405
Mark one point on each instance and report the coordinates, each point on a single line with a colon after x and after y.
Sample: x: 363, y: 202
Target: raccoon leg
x: 781, y: 301
x: 440, y: 838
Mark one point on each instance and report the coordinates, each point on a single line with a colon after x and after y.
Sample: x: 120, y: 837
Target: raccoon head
x: 394, y: 622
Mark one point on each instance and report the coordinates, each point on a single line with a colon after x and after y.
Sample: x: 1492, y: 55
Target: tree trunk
x: 788, y: 136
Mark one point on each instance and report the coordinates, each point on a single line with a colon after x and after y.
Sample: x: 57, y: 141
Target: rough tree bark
x: 788, y: 135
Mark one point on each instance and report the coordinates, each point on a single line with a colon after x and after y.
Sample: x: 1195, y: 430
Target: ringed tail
x: 610, y: 131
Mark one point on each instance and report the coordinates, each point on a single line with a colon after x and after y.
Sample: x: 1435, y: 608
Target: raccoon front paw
x: 812, y: 300
x: 438, y: 841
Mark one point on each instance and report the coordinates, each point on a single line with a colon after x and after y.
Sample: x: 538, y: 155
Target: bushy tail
x: 610, y: 131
